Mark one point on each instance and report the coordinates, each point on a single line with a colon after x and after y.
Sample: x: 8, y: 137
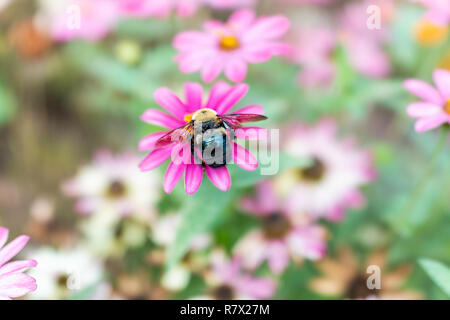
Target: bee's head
x: 204, y: 114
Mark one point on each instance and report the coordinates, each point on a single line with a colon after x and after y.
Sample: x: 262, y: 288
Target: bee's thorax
x: 204, y: 114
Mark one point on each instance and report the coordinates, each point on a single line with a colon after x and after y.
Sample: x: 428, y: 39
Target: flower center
x: 276, y: 226
x: 447, y: 107
x: 314, y: 172
x: 116, y: 189
x: 358, y: 289
x: 62, y: 279
x: 429, y: 34
x: 223, y: 292
x: 229, y: 43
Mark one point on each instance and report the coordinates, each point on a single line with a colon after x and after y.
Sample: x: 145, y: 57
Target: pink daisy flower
x: 159, y: 8
x: 330, y: 185
x: 438, y: 11
x: 282, y: 236
x: 227, y: 281
x: 113, y: 184
x: 85, y: 19
x: 230, y: 46
x: 434, y: 110
x: 222, y: 98
x: 230, y: 4
x: 14, y: 283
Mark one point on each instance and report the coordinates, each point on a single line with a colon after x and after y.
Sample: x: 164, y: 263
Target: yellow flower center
x: 447, y: 107
x: 229, y: 43
x: 188, y: 117
x: 430, y: 34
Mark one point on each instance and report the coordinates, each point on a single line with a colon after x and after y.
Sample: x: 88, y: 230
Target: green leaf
x: 202, y: 211
x: 438, y: 272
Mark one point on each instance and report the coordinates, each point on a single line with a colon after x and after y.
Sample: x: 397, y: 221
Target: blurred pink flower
x: 329, y: 185
x: 230, y: 4
x: 434, y: 110
x: 86, y: 19
x: 228, y: 281
x: 14, y: 283
x: 231, y: 46
x: 308, y: 1
x: 283, y: 235
x: 438, y: 11
x: 112, y: 183
x: 221, y: 99
x: 159, y: 8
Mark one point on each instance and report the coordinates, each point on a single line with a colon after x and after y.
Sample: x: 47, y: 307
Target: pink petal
x: 159, y: 118
x: 267, y: 28
x: 192, y: 61
x: 422, y: 109
x: 277, y: 256
x: 155, y: 158
x: 173, y: 175
x: 234, y: 95
x: 243, y: 158
x: 211, y: 69
x: 428, y: 123
x: 251, y: 133
x: 169, y: 101
x: 261, y: 52
x: 242, y: 19
x: 193, y: 178
x: 17, y: 265
x: 442, y: 79
x: 12, y: 248
x: 3, y: 236
x: 424, y: 91
x: 236, y: 70
x: 218, y: 91
x: 220, y: 177
x: 192, y: 40
x: 16, y: 284
x: 257, y: 288
x: 254, y: 109
x: 148, y: 143
x: 194, y: 94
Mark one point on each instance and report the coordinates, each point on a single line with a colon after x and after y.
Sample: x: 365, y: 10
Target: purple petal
x: 159, y: 118
x: 442, y: 79
x: 148, y: 142
x: 218, y: 91
x: 236, y: 70
x: 428, y: 123
x: 243, y: 158
x: 194, y: 94
x: 193, y: 178
x: 424, y: 91
x: 169, y: 101
x: 234, y: 95
x: 220, y: 177
x: 155, y: 158
x: 12, y: 248
x: 422, y: 109
x: 173, y: 175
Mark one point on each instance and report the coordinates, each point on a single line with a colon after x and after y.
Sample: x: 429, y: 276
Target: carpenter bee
x: 211, y: 133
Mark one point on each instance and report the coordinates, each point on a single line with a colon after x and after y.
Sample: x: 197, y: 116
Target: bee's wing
x: 235, y: 119
x: 180, y: 134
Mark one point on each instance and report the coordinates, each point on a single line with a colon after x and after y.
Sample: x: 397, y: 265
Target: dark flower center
x: 276, y: 226
x: 229, y: 43
x: 314, y: 172
x: 223, y: 292
x: 62, y: 279
x: 358, y: 288
x: 116, y: 189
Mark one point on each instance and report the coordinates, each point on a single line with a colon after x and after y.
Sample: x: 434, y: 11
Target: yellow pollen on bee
x: 188, y: 117
x: 229, y: 43
x: 447, y: 106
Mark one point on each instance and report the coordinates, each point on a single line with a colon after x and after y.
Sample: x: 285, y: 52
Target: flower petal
x: 422, y: 109
x: 193, y: 178
x: 255, y: 109
x: 13, y: 248
x: 194, y: 94
x: 218, y: 91
x: 236, y: 70
x: 155, y: 158
x: 169, y: 101
x: 17, y: 265
x: 442, y: 79
x: 243, y: 158
x: 148, y: 142
x: 234, y: 95
x: 428, y: 123
x: 267, y: 28
x: 211, y: 68
x: 220, y: 177
x: 159, y: 118
x: 192, y: 40
x: 424, y: 91
x: 16, y: 284
x: 277, y: 256
x: 173, y: 175
x: 242, y: 19
x: 4, y: 233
